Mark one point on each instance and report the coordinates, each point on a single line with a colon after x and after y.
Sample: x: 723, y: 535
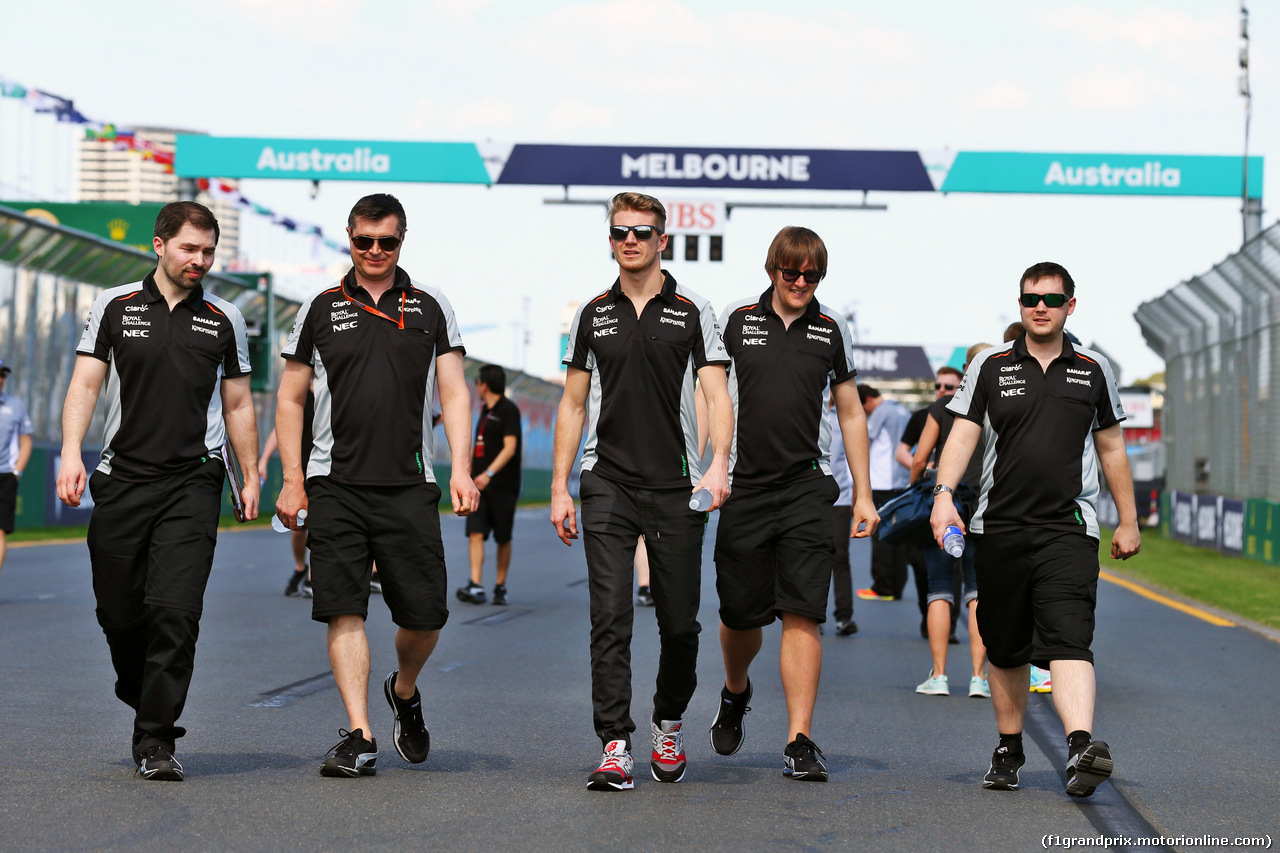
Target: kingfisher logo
x: 1151, y: 174
x: 315, y: 160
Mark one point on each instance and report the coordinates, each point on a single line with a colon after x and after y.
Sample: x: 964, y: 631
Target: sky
x: 941, y: 271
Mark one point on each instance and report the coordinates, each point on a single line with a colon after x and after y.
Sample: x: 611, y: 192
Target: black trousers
x: 614, y: 516
x: 151, y: 547
x: 841, y: 577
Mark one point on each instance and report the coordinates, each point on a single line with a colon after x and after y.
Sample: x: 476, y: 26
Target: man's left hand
x: 864, y: 511
x: 1126, y: 542
x: 464, y: 493
x: 482, y: 482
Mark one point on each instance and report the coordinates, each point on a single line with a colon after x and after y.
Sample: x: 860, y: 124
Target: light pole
x: 1250, y: 208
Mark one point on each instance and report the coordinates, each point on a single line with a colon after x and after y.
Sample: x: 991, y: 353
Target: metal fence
x: 1217, y: 334
x: 49, y: 277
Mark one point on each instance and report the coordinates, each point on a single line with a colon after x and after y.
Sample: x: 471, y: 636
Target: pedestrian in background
x: 15, y: 450
x: 495, y: 469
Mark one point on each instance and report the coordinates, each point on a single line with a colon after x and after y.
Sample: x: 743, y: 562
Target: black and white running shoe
x: 800, y: 761
x: 158, y: 763
x: 472, y: 593
x: 500, y: 595
x: 352, y: 756
x: 1003, y: 775
x: 728, y: 730
x: 1089, y: 768
x: 410, y: 735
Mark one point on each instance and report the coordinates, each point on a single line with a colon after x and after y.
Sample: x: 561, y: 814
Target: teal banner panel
x: 1102, y: 174
x: 329, y: 160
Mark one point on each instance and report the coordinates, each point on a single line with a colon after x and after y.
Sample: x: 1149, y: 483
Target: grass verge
x: 1248, y: 588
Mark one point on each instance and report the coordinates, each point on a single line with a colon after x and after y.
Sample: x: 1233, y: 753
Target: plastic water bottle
x: 278, y: 526
x: 953, y: 541
x: 701, y: 500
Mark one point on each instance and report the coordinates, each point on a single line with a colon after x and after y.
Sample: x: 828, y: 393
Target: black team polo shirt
x: 642, y: 429
x: 492, y: 427
x: 780, y: 383
x: 163, y: 395
x: 1039, y: 468
x: 375, y: 369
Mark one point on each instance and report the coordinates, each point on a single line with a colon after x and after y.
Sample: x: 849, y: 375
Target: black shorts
x: 8, y: 500
x: 1039, y: 590
x: 773, y: 553
x: 351, y: 527
x: 496, y: 512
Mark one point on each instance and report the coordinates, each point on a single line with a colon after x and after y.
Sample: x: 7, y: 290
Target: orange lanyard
x: 374, y: 311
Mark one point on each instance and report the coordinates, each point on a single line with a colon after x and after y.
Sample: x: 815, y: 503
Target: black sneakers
x: 291, y: 589
x: 352, y: 756
x: 800, y: 761
x: 410, y: 735
x: 846, y: 628
x: 472, y: 593
x: 158, y: 763
x: 1003, y: 775
x: 1088, y: 768
x: 500, y: 594
x: 727, y: 730
x: 644, y: 596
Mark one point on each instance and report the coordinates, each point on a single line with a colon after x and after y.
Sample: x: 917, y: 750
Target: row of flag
x: 124, y: 139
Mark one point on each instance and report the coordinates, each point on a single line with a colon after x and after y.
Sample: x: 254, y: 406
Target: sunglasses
x: 938, y: 386
x: 387, y: 244
x: 642, y: 232
x: 1051, y: 300
x: 810, y: 276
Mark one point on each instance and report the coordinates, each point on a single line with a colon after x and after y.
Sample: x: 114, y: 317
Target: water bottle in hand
x: 701, y: 500
x: 953, y: 541
x: 278, y: 526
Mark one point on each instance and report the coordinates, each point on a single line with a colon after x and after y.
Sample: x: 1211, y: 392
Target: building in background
x: 136, y: 166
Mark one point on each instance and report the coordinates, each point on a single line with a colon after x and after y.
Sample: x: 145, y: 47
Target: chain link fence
x: 1217, y: 333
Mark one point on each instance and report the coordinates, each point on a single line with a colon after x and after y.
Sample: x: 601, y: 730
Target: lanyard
x: 374, y: 311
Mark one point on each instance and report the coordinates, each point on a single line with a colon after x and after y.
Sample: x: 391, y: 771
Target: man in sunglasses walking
x: 1049, y: 413
x: 635, y: 350
x: 773, y: 546
x: 376, y: 344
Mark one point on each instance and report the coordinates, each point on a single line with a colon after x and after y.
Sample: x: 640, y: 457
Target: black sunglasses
x: 642, y: 232
x: 810, y: 276
x: 1051, y: 300
x: 938, y: 386
x: 387, y: 244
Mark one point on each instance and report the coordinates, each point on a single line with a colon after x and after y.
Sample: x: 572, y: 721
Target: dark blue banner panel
x: 760, y: 168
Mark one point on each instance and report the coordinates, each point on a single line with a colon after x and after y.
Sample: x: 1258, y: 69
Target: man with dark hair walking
x: 176, y: 364
x: 495, y: 469
x: 1048, y: 413
x: 773, y: 554
x: 376, y: 343
x: 635, y: 351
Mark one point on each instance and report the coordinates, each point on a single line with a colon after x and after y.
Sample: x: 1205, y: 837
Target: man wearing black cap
x: 15, y: 423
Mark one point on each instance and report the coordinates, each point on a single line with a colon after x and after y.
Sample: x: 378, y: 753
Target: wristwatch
x: 489, y: 473
x: 940, y: 488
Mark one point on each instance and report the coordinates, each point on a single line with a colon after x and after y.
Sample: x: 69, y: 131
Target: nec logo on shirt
x: 342, y: 327
x: 600, y: 333
x: 136, y: 333
x: 754, y: 342
x: 1013, y: 392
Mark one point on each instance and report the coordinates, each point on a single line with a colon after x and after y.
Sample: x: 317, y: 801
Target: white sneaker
x: 979, y: 688
x: 668, y: 760
x: 934, y: 685
x: 614, y: 772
